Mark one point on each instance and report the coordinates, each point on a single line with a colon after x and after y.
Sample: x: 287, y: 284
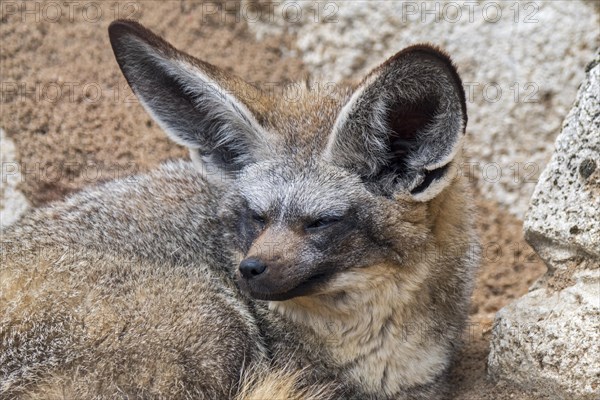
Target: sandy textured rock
x: 550, y: 341
x: 564, y: 217
x: 550, y: 338
x: 521, y: 63
x: 12, y: 202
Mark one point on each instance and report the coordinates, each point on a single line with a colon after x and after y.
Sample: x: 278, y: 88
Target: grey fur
x: 105, y: 295
x: 132, y: 288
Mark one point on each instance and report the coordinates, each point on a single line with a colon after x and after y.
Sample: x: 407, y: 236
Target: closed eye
x: 321, y: 223
x: 259, y: 219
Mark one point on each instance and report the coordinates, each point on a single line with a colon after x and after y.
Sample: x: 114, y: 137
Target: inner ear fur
x: 404, y: 124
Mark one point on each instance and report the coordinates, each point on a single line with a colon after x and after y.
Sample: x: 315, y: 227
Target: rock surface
x: 520, y: 67
x: 12, y: 202
x: 565, y: 207
x: 549, y: 339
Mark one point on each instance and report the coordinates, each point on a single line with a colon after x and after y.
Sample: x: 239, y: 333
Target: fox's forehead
x: 303, y: 115
x: 291, y: 190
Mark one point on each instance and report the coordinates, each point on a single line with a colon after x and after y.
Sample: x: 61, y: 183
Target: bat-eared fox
x: 316, y: 246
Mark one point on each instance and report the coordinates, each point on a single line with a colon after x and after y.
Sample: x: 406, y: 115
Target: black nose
x: 251, y: 267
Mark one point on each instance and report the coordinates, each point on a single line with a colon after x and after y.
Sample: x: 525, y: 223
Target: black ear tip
x: 429, y: 49
x: 424, y: 50
x: 125, y: 25
x: 119, y: 29
x: 122, y: 28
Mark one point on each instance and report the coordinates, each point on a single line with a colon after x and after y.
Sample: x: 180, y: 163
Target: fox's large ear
x: 215, y: 114
x: 403, y: 125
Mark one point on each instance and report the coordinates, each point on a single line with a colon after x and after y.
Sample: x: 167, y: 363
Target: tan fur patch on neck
x: 367, y: 320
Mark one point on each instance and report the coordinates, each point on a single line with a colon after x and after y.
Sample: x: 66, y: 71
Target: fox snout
x: 277, y: 267
x: 278, y: 281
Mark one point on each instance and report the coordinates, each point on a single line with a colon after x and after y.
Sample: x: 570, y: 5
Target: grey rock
x: 12, y: 202
x: 565, y: 207
x: 549, y: 340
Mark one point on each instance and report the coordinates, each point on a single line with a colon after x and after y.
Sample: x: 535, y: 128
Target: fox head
x: 320, y: 184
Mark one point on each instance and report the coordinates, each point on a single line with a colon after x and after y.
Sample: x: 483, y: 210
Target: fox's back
x: 117, y: 292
